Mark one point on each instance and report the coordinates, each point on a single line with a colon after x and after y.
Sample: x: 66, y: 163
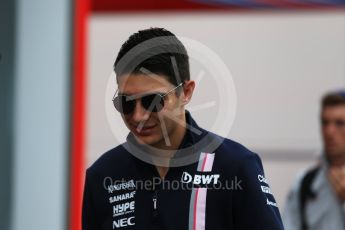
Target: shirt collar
x: 190, y: 137
x: 320, y: 180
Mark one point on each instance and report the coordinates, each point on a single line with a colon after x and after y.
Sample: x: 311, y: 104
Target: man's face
x: 151, y: 128
x: 333, y: 131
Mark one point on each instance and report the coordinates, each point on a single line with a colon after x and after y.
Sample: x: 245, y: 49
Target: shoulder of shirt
x: 233, y: 158
x: 234, y: 154
x: 232, y: 150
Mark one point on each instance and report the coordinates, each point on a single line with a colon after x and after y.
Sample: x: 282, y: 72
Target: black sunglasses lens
x: 123, y: 105
x: 152, y: 103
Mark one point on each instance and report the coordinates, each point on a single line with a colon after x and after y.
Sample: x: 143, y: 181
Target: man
x: 316, y: 201
x: 171, y: 174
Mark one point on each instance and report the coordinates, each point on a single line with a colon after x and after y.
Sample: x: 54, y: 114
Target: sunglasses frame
x: 134, y: 97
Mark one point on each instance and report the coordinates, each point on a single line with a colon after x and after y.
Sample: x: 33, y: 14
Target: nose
x: 139, y: 113
x: 329, y: 130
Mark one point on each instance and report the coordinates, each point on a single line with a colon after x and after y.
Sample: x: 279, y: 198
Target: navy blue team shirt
x: 224, y: 189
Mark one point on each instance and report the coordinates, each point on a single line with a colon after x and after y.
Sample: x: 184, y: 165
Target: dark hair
x: 333, y: 99
x: 157, y: 50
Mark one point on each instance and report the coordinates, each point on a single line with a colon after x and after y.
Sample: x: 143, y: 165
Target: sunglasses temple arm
x: 115, y: 94
x: 172, y: 89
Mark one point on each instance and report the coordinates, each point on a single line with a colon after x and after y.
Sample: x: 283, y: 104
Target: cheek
x: 125, y: 118
x: 173, y: 106
x: 165, y: 118
x: 168, y: 103
x: 127, y: 124
x: 325, y: 133
x: 342, y: 136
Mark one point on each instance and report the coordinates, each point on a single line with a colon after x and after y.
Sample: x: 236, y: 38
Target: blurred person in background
x: 151, y: 98
x: 316, y: 201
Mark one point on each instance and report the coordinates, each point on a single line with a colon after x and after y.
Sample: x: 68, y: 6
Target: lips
x: 145, y: 130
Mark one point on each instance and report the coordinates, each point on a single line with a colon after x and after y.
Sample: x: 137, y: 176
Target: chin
x: 335, y: 153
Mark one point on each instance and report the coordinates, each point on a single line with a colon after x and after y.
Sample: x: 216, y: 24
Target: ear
x: 188, y: 89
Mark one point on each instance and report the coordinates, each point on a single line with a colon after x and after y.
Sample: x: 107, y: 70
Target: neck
x: 178, y: 134
x: 175, y: 138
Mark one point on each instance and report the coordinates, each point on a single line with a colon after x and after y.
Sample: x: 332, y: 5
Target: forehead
x: 336, y: 112
x: 142, y: 83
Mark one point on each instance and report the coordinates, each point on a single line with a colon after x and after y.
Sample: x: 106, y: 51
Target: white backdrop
x: 281, y: 65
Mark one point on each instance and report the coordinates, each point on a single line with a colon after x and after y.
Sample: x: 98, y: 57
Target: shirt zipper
x: 154, y: 199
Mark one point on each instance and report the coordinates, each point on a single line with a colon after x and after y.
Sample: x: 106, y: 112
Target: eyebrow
x: 135, y: 96
x: 138, y: 95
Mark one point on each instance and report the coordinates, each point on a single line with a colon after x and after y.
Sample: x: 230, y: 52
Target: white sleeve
x: 291, y: 213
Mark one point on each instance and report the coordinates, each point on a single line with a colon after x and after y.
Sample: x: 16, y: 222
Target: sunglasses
x: 151, y: 102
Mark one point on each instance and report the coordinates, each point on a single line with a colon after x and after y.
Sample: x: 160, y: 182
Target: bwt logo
x: 200, y: 179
